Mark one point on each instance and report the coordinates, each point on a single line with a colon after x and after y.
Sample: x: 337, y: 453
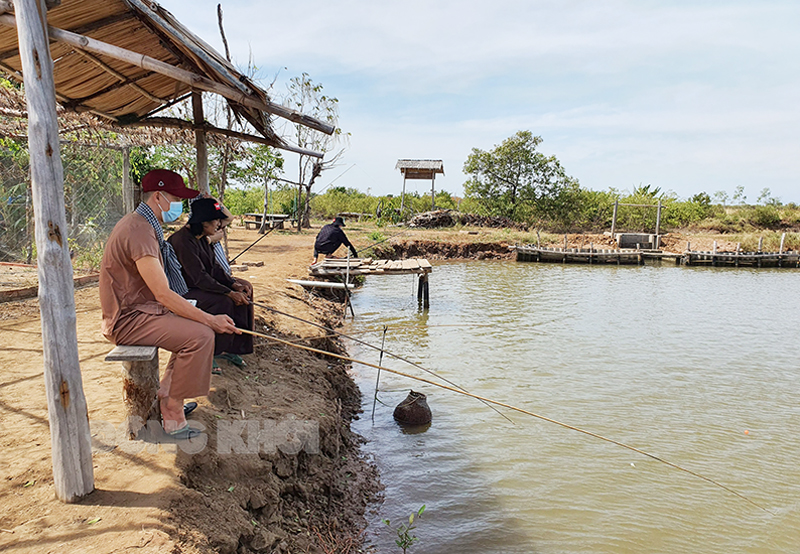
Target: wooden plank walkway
x: 742, y: 259
x: 368, y: 266
x: 788, y: 259
x: 578, y: 255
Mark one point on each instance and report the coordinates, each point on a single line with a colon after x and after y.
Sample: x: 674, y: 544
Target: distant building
x: 419, y: 169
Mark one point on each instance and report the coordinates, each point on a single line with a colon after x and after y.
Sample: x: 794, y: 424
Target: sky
x: 688, y: 96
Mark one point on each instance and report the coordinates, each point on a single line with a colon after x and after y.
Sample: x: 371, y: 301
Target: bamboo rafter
x: 182, y: 75
x: 183, y: 124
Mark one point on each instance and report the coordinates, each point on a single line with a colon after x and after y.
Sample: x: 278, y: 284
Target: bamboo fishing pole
x: 252, y: 245
x: 514, y: 408
x: 382, y: 241
x: 365, y: 343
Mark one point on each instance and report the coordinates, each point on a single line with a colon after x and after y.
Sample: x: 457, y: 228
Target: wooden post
x: 139, y: 385
x: 614, y: 219
x: 200, y: 143
x: 403, y: 196
x: 70, y: 438
x: 760, y: 244
x: 780, y: 253
x: 129, y: 199
x: 423, y: 297
x: 433, y: 193
x: 658, y: 220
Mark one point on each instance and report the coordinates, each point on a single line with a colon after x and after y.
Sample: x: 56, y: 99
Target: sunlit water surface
x: 696, y: 366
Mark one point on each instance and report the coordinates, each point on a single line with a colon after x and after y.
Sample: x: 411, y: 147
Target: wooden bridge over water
x: 790, y: 259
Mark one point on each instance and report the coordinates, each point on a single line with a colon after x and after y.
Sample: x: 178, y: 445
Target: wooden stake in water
x: 378, y: 380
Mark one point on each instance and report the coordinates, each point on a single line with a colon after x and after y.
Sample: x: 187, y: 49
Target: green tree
x: 514, y: 180
x: 308, y: 97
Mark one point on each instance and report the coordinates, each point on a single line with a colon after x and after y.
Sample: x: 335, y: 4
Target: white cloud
x: 701, y: 95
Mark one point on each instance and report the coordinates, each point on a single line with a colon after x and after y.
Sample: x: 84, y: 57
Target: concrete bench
x: 140, y: 384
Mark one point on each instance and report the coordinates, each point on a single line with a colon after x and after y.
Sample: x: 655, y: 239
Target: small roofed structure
x: 420, y: 169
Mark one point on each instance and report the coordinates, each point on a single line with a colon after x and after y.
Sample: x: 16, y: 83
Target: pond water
x: 698, y: 366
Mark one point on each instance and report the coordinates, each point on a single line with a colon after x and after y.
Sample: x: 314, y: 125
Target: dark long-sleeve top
x: 201, y: 270
x: 330, y: 238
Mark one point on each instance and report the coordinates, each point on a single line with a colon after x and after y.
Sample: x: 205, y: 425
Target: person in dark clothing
x: 330, y: 238
x: 215, y: 291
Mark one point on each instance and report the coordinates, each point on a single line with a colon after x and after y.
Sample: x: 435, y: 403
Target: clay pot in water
x: 413, y: 410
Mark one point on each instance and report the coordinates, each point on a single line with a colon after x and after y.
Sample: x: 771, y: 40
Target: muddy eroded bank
x: 282, y: 470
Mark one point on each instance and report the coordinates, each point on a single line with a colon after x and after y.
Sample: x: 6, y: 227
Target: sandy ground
x: 167, y: 501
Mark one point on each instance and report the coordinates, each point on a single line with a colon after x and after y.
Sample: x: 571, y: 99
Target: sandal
x: 185, y: 433
x: 215, y: 370
x: 188, y: 408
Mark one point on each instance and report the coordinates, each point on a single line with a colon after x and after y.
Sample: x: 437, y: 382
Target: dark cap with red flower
x: 206, y: 209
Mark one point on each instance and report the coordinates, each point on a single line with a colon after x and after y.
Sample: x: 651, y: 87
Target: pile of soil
x: 438, y: 250
x: 303, y: 491
x: 451, y: 218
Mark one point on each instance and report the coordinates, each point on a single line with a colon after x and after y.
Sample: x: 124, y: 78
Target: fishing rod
x: 520, y: 410
x: 365, y: 343
x: 253, y: 244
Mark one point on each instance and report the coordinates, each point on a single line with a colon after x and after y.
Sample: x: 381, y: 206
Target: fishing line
x: 253, y: 244
x: 395, y: 356
x: 384, y: 240
x: 510, y: 407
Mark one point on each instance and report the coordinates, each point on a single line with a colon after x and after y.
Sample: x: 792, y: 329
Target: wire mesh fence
x: 92, y: 198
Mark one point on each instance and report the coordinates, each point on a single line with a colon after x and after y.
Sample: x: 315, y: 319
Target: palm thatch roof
x: 420, y: 169
x: 124, y: 60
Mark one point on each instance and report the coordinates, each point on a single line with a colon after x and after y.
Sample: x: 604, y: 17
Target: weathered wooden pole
x: 403, y: 196
x: 200, y: 143
x: 614, y: 219
x: 128, y: 188
x: 66, y: 405
x: 658, y: 221
x: 433, y: 192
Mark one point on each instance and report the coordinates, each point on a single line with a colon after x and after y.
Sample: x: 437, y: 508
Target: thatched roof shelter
x: 420, y: 169
x: 125, y: 60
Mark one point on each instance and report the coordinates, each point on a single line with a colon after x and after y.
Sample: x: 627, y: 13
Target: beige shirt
x: 122, y: 289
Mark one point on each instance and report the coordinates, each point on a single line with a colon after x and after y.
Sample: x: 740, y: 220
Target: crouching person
x: 141, y: 291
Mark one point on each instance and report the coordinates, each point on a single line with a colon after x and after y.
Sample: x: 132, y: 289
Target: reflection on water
x: 696, y: 365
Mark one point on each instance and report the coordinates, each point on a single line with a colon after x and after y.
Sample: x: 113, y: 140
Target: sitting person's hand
x: 243, y: 286
x: 223, y: 324
x: 239, y: 298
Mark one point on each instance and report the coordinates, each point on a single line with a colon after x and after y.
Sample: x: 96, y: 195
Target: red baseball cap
x: 165, y: 180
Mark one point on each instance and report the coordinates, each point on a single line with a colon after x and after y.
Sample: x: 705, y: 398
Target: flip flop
x: 185, y: 433
x: 188, y: 408
x: 215, y: 370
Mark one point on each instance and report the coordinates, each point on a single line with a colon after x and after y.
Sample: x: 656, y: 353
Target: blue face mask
x: 175, y: 211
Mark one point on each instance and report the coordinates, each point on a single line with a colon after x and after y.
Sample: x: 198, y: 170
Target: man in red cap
x: 141, y: 290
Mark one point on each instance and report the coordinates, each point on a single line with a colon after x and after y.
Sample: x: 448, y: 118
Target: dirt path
x: 167, y: 501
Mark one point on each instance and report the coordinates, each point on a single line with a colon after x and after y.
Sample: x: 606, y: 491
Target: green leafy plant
x: 404, y: 537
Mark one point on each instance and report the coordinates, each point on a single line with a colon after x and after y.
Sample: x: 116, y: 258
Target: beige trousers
x: 188, y: 373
